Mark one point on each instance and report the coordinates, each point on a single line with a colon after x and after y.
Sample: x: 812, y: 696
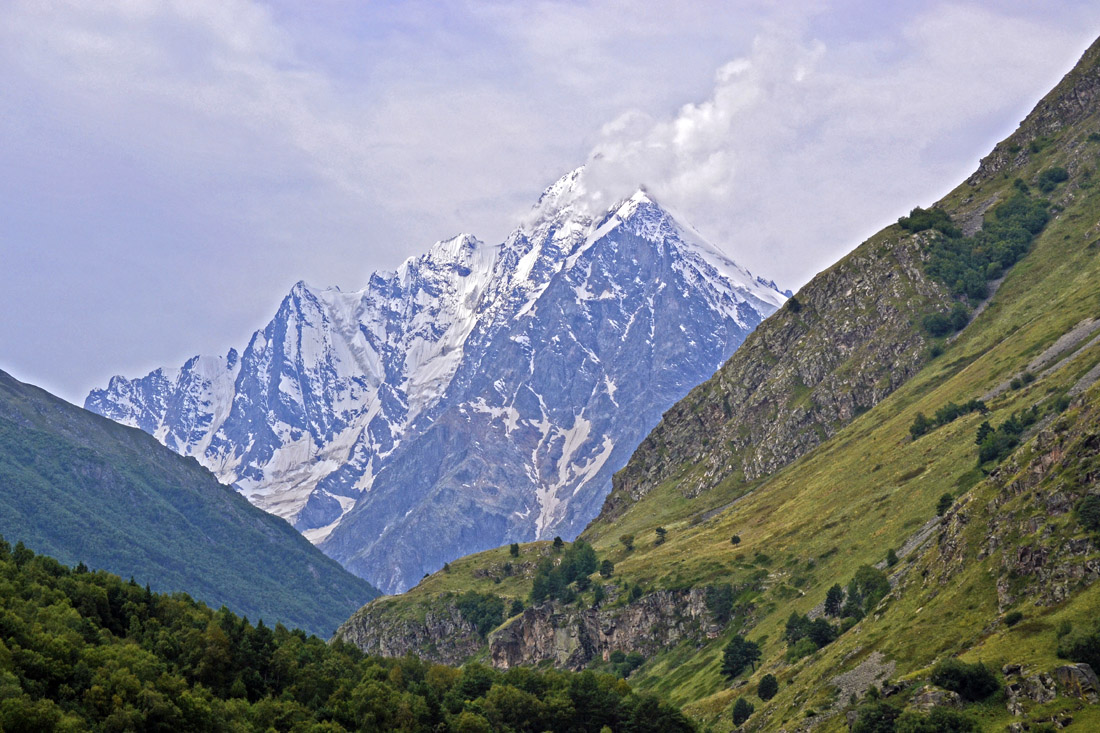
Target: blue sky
x: 171, y: 168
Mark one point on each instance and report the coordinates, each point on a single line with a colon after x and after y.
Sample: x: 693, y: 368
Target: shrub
x: 660, y: 532
x: 627, y: 541
x: 482, y: 610
x: 872, y: 584
x: 964, y: 264
x: 1013, y: 617
x: 513, y: 549
x: 793, y: 305
x: 607, y: 569
x: 875, y: 716
x: 921, y: 219
x: 767, y: 687
x: 742, y: 711
x: 1081, y: 647
x: 1051, y: 177
x: 937, y: 324
x: 921, y: 425
x: 801, y: 648
x: 735, y: 540
x: 1088, y: 512
x: 972, y: 682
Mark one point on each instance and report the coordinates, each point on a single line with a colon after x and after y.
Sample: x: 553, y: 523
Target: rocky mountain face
x: 478, y: 395
x: 846, y: 340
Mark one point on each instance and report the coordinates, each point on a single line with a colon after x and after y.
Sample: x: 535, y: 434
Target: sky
x: 171, y: 167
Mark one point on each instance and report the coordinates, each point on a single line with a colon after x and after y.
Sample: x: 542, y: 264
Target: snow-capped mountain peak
x: 477, y: 395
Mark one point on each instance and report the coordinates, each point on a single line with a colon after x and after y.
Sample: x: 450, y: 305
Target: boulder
x: 1078, y: 680
x: 929, y: 697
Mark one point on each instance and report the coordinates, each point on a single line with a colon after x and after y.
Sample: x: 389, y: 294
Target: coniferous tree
x: 834, y: 599
x: 742, y: 711
x: 739, y: 654
x: 767, y: 687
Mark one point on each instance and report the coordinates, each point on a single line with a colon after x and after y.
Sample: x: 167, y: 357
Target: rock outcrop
x: 438, y: 632
x: 571, y: 637
x: 564, y: 635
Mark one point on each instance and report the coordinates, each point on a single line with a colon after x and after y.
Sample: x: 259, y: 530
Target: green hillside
x: 825, y: 447
x: 87, y: 490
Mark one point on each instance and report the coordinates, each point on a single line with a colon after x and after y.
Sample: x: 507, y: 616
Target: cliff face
x: 564, y: 635
x: 846, y: 341
x: 438, y: 632
x: 570, y: 637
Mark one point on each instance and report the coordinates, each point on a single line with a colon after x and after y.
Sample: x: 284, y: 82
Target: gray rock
x: 1078, y: 680
x: 929, y: 697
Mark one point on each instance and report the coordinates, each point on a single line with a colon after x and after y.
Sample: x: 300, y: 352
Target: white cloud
x: 801, y: 151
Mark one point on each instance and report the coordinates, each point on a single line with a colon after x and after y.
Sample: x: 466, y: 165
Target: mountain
x: 478, y: 395
x: 88, y: 490
x: 914, y: 436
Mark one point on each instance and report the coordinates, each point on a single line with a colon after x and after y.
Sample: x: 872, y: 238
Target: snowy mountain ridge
x: 478, y: 393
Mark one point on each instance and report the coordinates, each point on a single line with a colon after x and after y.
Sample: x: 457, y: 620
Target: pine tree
x: 834, y: 599
x: 767, y: 688
x: 742, y: 710
x: 738, y: 654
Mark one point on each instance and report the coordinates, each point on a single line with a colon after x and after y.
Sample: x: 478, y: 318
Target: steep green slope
x: 87, y: 490
x: 753, y: 532
x: 88, y: 651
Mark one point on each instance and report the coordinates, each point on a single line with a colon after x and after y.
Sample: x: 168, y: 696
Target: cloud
x: 801, y: 150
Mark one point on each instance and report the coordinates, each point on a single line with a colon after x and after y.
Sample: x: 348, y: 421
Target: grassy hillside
x: 1005, y: 577
x: 87, y: 490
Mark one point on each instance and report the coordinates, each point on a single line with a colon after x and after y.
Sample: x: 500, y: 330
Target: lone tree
x: 767, y: 688
x: 834, y: 599
x: 559, y: 543
x: 627, y: 541
x: 513, y: 549
x: 738, y: 654
x: 945, y: 503
x: 661, y: 532
x: 607, y: 568
x: 735, y: 540
x: 742, y: 710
